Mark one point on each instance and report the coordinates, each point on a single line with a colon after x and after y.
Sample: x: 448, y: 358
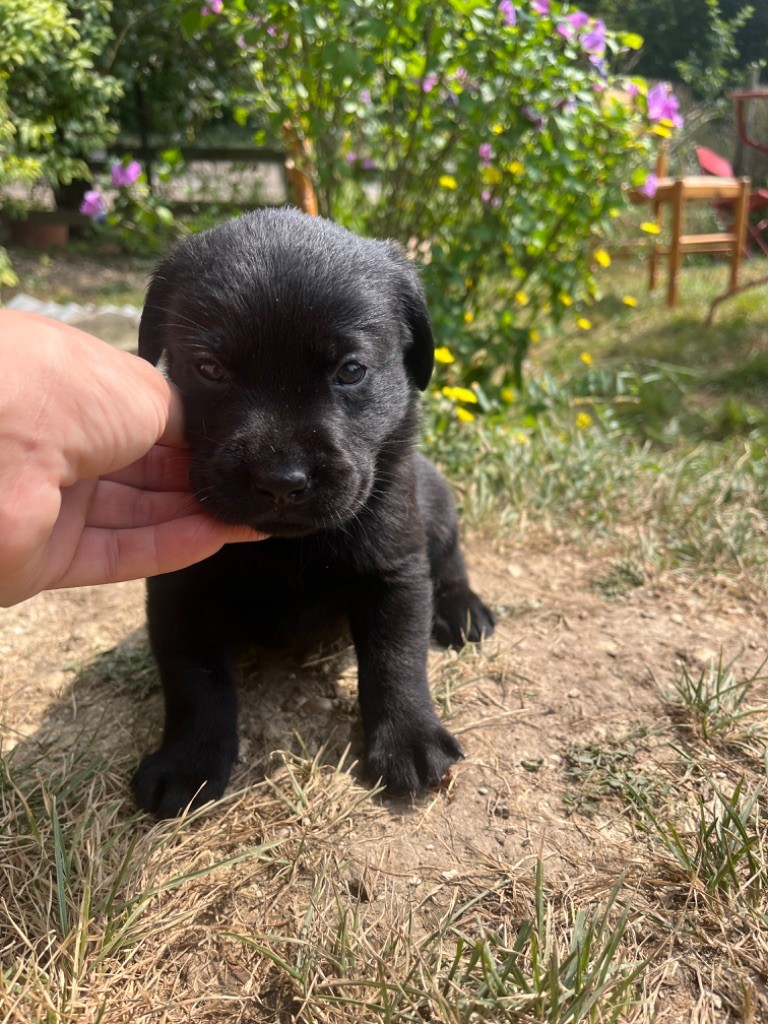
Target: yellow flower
x: 662, y: 130
x: 522, y: 438
x: 602, y: 257
x: 629, y: 300
x: 583, y: 420
x: 508, y: 395
x: 565, y: 299
x: 533, y: 335
x: 460, y: 395
x: 490, y: 175
x: 583, y: 323
x: 650, y: 228
x: 497, y: 129
x: 469, y: 317
x: 586, y: 358
x: 464, y: 415
x: 447, y: 181
x: 469, y: 283
x: 521, y: 298
x: 443, y: 355
x: 613, y: 212
x: 515, y: 167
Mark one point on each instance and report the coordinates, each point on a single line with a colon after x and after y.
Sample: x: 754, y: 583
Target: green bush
x: 488, y: 138
x: 56, y: 101
x: 53, y: 104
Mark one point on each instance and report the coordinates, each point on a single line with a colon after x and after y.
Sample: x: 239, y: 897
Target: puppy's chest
x: 290, y: 572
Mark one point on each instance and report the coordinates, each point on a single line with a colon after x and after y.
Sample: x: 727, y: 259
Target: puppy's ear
x: 420, y: 354
x: 152, y: 325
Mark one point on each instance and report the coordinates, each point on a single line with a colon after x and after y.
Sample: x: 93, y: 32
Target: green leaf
x: 190, y: 21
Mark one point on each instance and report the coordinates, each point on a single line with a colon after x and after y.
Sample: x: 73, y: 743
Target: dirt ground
x: 567, y: 666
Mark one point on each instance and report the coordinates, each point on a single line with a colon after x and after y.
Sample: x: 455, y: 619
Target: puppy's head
x: 298, y: 348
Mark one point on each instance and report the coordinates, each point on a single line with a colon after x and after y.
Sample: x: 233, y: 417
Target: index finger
x: 173, y: 435
x: 163, y: 468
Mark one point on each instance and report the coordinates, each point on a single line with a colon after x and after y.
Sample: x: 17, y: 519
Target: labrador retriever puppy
x: 299, y: 350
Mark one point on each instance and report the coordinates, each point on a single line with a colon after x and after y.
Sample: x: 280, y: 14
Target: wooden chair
x: 676, y: 193
x: 712, y: 163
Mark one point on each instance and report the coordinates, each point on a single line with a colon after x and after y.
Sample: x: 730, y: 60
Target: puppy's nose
x: 283, y: 484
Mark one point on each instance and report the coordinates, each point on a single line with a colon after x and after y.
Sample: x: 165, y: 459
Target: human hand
x: 93, y: 469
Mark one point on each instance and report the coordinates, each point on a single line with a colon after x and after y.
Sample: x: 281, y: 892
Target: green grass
x: 657, y: 447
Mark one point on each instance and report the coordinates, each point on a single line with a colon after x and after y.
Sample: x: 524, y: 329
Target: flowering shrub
x: 489, y: 137
x: 133, y: 215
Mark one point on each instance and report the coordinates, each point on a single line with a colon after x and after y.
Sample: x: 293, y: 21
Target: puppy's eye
x: 350, y: 373
x: 210, y: 370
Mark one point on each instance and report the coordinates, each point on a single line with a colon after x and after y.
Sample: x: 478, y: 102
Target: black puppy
x: 298, y: 349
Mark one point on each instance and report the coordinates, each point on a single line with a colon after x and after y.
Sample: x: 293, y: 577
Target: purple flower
x: 460, y: 74
x: 124, y: 176
x: 632, y: 90
x: 93, y: 205
x: 212, y: 7
x: 365, y: 97
x: 429, y: 82
x: 508, y: 12
x: 351, y: 158
x: 594, y: 40
x: 485, y: 151
x: 541, y: 6
x: 538, y: 120
x: 485, y: 195
x: 367, y: 164
x: 663, y: 105
x: 567, y: 106
x: 649, y: 186
x: 271, y: 30
x: 578, y: 20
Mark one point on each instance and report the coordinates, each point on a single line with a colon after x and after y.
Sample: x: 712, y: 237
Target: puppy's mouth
x: 327, y: 512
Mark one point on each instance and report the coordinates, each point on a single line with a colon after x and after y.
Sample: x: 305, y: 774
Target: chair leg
x: 739, y: 231
x: 675, y: 252
x: 756, y: 234
x: 654, y: 267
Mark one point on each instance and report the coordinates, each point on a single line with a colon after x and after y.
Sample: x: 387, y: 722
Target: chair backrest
x: 713, y: 163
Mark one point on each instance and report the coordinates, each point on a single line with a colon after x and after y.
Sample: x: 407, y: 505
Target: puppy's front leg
x: 405, y: 744
x: 199, y: 747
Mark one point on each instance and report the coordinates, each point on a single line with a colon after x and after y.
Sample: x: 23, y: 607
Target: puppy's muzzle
x: 288, y: 484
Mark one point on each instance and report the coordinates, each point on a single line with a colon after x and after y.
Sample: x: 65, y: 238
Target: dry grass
x: 290, y: 901
x: 601, y: 855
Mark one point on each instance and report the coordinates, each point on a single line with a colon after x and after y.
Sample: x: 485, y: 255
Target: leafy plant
x: 487, y: 138
x: 133, y: 215
x: 56, y: 101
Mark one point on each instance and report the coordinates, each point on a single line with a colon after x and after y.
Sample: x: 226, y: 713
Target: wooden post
x: 740, y: 152
x: 303, y: 190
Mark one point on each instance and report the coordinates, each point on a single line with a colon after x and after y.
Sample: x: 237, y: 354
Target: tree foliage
x: 56, y: 100
x: 174, y: 83
x: 497, y: 145
x: 681, y: 30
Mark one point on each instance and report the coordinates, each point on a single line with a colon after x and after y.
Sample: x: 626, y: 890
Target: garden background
x: 602, y: 853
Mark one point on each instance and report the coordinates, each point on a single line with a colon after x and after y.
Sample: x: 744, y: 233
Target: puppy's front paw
x: 181, y: 774
x: 411, y: 756
x: 460, y: 617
